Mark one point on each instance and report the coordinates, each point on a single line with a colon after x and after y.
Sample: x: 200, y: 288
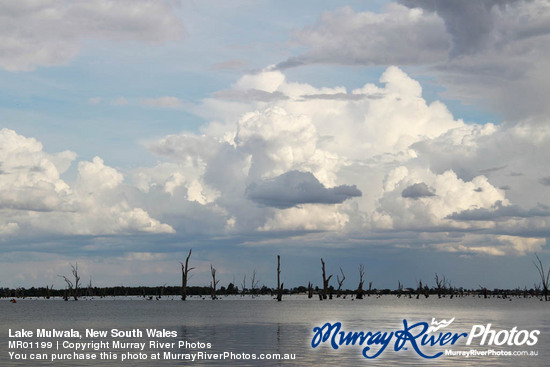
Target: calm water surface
x: 262, y: 325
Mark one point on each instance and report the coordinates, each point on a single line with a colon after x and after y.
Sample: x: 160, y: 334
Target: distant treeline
x: 443, y: 287
x: 231, y: 290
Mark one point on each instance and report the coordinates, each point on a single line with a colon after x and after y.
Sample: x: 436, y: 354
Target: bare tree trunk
x: 243, y: 286
x: 309, y: 290
x: 214, y: 282
x: 399, y: 288
x: 185, y: 269
x: 484, y: 291
x: 254, y: 284
x: 418, y: 289
x: 359, y: 293
x: 325, y: 280
x: 544, y: 276
x: 160, y: 291
x: 48, y: 291
x: 279, y: 285
x: 89, y: 291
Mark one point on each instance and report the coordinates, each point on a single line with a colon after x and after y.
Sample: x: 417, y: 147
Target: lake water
x: 264, y: 326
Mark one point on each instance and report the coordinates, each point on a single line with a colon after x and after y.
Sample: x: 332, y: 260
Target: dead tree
x: 484, y: 291
x: 370, y: 289
x: 48, y: 291
x: 536, y: 289
x: 254, y: 284
x: 451, y: 289
x: 243, y: 284
x: 425, y: 290
x: 325, y: 280
x: 279, y: 285
x: 73, y: 286
x: 418, y: 289
x: 340, y: 282
x: 160, y: 291
x: 440, y: 283
x: 359, y: 294
x: 214, y: 282
x: 185, y: 269
x: 544, y: 277
x: 90, y: 290
x: 399, y: 289
x: 309, y: 290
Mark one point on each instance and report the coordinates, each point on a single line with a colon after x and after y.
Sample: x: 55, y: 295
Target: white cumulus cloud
x: 34, y: 197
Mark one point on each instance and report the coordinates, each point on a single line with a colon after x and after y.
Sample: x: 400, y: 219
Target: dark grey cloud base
x: 294, y: 188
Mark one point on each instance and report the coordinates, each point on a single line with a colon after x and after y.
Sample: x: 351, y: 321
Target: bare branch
x: 340, y: 282
x: 73, y: 286
x: 544, y: 276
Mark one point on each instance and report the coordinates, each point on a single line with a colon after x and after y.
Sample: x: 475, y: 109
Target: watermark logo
x: 502, y: 337
x: 420, y: 337
x: 439, y: 325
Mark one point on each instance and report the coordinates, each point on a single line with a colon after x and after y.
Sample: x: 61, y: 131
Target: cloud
x: 119, y: 101
x: 275, y: 169
x: 470, y: 23
x: 491, y: 169
x: 95, y: 176
x: 501, y: 212
x: 30, y: 179
x: 250, y: 95
x: 399, y: 36
x: 545, y: 181
x: 50, y: 33
x: 489, y: 43
x: 34, y: 199
x: 492, y: 245
x: 417, y: 191
x: 285, y: 154
x: 398, y: 103
x: 472, y: 148
x: 308, y: 217
x: 342, y: 96
x: 163, y: 102
x: 294, y: 188
x: 489, y: 53
x: 395, y: 210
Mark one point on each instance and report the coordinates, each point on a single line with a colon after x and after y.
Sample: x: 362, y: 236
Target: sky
x: 410, y: 136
